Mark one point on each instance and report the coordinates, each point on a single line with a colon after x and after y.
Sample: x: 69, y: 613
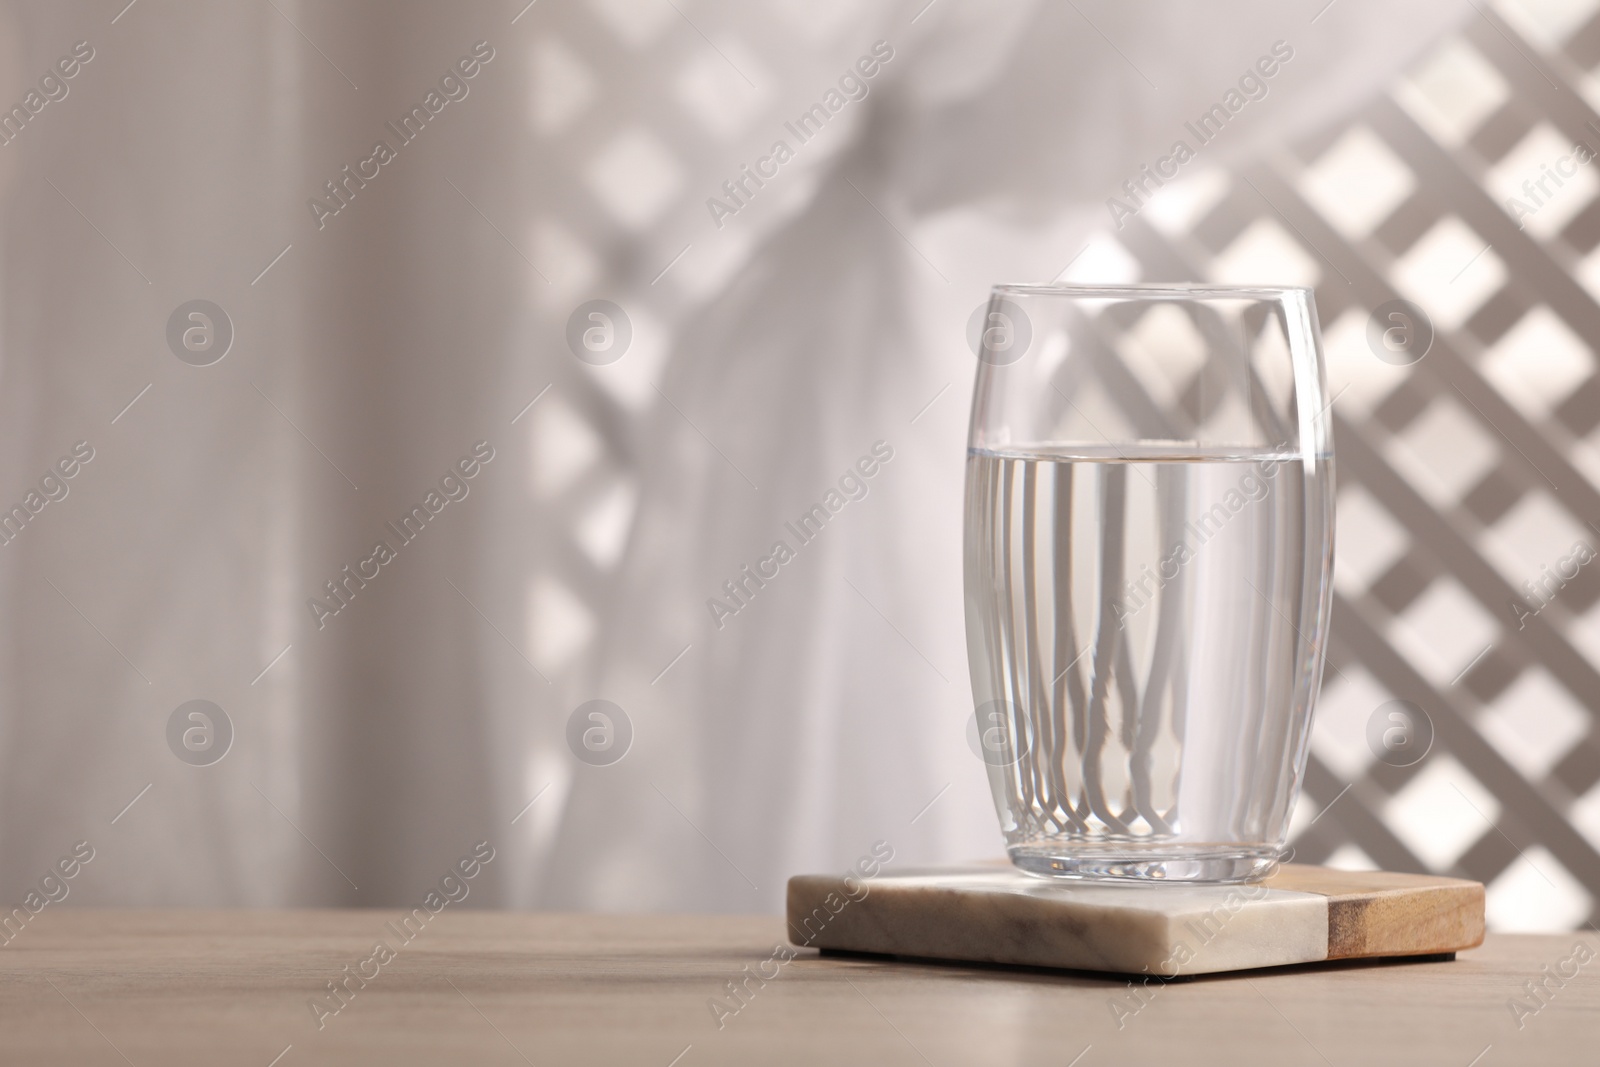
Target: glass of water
x: 1149, y: 547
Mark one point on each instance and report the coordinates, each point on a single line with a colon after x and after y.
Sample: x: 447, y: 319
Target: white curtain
x: 374, y: 348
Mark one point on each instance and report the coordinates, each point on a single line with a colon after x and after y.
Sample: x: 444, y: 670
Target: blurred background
x: 579, y: 340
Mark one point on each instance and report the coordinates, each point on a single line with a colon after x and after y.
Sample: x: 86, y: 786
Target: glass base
x: 1156, y: 863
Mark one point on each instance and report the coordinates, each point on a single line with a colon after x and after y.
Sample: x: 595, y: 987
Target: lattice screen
x: 1463, y: 477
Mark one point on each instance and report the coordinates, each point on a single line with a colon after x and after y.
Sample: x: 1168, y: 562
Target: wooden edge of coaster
x: 1406, y: 922
x: 1389, y: 913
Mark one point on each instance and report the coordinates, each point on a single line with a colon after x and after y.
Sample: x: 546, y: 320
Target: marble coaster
x: 993, y: 914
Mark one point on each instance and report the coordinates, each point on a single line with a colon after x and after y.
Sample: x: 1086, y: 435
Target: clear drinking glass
x: 1149, y: 546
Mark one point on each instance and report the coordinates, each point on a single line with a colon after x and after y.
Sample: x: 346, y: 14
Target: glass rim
x: 1163, y: 290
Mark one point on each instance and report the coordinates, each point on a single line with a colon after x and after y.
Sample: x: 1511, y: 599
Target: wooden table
x: 181, y: 987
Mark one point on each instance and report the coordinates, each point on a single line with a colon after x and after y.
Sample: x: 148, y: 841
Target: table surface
x: 185, y: 987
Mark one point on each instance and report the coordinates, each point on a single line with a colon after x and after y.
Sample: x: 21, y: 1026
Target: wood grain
x: 182, y: 988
